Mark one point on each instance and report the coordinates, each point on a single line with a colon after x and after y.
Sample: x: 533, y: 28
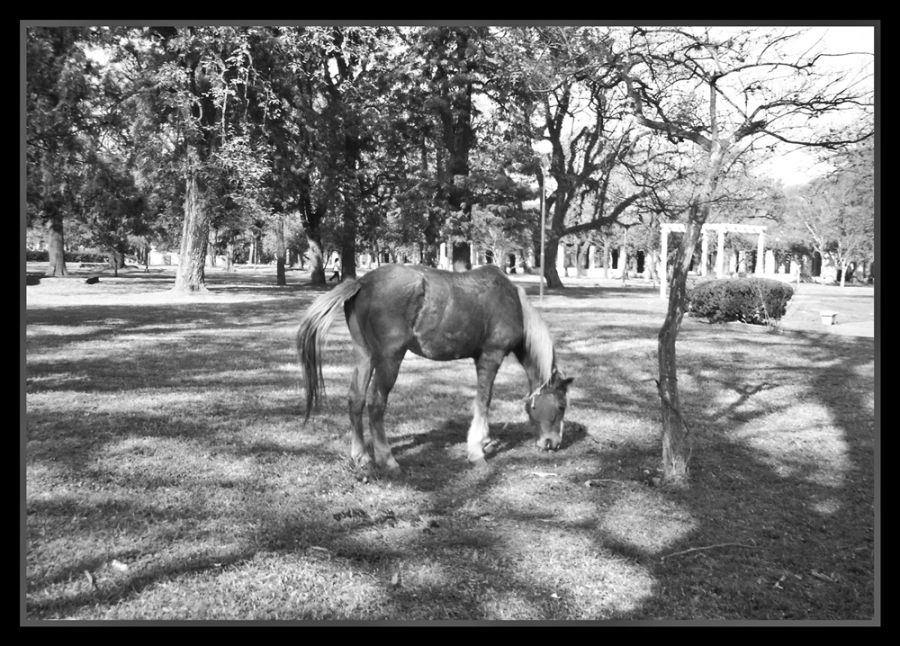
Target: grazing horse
x: 442, y: 316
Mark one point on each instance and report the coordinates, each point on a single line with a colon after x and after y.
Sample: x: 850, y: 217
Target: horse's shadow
x: 505, y: 436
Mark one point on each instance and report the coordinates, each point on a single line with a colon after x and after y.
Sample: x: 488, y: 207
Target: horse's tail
x: 311, y: 335
x: 538, y: 343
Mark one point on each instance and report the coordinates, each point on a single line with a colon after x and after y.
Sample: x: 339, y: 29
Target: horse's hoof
x: 490, y: 447
x: 363, y: 461
x: 390, y: 466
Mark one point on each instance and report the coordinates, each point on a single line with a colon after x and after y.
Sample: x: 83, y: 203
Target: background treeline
x: 289, y: 143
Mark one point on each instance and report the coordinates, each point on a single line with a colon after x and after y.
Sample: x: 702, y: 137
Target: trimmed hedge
x: 71, y: 256
x: 750, y: 300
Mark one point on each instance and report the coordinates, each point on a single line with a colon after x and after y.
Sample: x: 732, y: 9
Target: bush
x: 750, y: 300
x: 41, y: 255
x: 87, y: 256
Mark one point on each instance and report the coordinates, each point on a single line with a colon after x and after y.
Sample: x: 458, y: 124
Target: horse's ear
x: 559, y: 381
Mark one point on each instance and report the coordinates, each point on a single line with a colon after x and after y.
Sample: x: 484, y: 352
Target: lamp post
x: 543, y: 233
x: 542, y: 149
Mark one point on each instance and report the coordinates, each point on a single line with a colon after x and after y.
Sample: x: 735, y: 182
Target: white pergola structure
x: 721, y: 229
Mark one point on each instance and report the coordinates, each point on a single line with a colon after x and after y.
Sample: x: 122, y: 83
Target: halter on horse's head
x: 546, y: 407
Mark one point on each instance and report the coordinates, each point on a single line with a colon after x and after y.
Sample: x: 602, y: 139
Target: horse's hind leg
x: 362, y: 374
x: 386, y: 370
x: 478, y: 438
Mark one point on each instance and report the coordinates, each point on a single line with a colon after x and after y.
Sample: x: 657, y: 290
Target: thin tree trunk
x: 56, y: 246
x: 651, y: 268
x: 280, y: 278
x: 676, y: 446
x: 116, y: 261
x: 211, y: 247
x: 191, y: 276
x: 229, y: 255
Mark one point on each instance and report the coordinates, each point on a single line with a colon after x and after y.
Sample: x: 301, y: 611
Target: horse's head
x: 546, y: 408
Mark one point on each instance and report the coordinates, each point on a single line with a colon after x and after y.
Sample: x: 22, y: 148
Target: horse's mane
x: 538, y: 343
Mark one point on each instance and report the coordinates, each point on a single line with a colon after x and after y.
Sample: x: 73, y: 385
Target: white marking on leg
x: 478, y: 435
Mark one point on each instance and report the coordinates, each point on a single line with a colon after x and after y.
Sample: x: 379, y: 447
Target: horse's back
x: 440, y: 314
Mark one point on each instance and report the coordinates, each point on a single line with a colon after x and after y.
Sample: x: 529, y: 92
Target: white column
x: 663, y: 257
x: 592, y: 252
x: 761, y: 254
x: 720, y: 254
x: 704, y: 252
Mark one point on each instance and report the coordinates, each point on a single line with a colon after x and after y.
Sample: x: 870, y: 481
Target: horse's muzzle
x: 549, y: 443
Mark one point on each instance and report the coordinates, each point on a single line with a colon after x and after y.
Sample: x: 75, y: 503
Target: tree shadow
x: 789, y: 522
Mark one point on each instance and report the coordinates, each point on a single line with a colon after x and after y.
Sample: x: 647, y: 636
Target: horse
x: 443, y: 316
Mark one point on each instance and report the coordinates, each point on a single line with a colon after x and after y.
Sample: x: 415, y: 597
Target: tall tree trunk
x: 582, y: 259
x: 191, y: 276
x: 316, y: 258
x: 550, y: 253
x: 211, y: 247
x: 257, y: 247
x: 280, y: 278
x: 348, y: 245
x: 229, y: 255
x: 55, y: 244
x: 455, y: 114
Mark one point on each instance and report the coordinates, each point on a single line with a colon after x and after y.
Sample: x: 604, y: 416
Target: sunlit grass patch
x: 169, y: 474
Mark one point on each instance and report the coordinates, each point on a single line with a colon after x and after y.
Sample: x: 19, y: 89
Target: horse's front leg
x: 478, y: 439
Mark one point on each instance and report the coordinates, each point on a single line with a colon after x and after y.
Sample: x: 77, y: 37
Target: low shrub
x: 41, y: 255
x: 750, y: 300
x: 87, y: 256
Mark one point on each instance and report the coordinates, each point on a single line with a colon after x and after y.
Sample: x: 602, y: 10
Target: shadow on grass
x: 770, y: 538
x: 778, y: 539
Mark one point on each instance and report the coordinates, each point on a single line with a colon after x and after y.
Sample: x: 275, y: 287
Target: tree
x: 56, y: 94
x: 454, y: 58
x: 837, y: 210
x: 711, y: 88
x: 112, y: 208
x: 567, y: 95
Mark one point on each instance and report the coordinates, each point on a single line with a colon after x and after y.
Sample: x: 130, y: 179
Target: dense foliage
x: 288, y: 142
x: 759, y: 301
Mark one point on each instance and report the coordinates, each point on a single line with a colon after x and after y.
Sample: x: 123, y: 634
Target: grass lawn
x: 168, y: 475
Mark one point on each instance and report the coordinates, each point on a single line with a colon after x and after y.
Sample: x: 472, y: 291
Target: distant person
x: 335, y: 269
